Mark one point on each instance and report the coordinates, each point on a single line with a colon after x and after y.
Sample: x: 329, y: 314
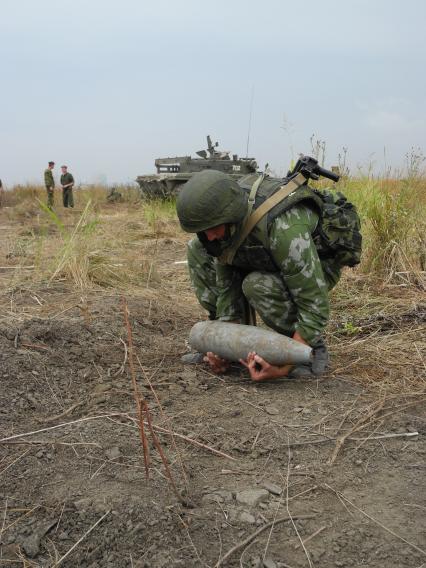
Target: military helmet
x: 210, y: 198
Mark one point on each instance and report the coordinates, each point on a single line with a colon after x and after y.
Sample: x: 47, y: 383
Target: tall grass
x: 87, y: 253
x: 394, y: 224
x: 74, y: 259
x: 158, y: 214
x: 391, y: 207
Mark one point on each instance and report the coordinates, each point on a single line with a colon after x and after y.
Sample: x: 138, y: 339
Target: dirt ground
x: 73, y: 490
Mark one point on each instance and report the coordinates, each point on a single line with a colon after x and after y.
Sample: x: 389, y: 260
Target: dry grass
x: 377, y: 331
x: 115, y: 248
x: 391, y: 208
x: 377, y: 335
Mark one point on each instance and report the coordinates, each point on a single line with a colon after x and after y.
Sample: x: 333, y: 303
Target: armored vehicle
x: 172, y: 173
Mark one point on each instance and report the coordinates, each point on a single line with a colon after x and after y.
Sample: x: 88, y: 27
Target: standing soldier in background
x: 49, y: 182
x: 67, y: 182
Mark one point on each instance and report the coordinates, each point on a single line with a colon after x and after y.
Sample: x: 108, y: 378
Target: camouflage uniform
x: 293, y: 296
x: 276, y: 269
x: 67, y: 196
x: 49, y: 182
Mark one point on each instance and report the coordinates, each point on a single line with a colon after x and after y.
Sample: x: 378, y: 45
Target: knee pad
x: 252, y: 284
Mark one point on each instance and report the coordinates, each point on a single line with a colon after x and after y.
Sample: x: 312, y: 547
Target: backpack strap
x: 284, y: 191
x: 253, y: 192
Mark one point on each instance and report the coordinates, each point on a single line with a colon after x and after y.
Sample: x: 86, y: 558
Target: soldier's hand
x: 217, y: 365
x: 261, y: 370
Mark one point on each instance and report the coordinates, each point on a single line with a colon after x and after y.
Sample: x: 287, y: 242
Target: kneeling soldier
x: 275, y: 270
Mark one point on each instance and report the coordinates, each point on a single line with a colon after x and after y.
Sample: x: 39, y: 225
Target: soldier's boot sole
x: 192, y: 358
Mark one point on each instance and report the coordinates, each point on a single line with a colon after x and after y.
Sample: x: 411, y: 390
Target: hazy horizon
x: 107, y: 87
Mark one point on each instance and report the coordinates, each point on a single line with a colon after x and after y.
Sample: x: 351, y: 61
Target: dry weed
x: 378, y: 335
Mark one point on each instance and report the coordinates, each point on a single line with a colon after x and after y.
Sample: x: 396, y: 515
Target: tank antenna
x: 250, y: 115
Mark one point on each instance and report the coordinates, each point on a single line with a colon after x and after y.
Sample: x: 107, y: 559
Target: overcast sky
x: 106, y: 86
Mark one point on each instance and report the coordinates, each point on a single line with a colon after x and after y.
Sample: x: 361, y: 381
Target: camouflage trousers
x: 265, y: 291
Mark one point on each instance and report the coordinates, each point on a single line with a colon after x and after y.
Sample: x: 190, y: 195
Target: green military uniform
x: 67, y: 196
x: 49, y: 182
x: 292, y: 296
x: 276, y: 269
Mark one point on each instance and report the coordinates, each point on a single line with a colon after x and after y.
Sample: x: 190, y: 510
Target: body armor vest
x: 254, y: 253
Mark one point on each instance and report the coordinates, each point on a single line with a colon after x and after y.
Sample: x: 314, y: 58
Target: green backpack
x: 338, y: 234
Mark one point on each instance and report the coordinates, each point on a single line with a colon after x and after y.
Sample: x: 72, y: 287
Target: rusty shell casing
x: 234, y: 341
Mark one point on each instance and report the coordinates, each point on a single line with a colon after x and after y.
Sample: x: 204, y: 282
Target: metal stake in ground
x: 142, y: 408
x: 140, y: 401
